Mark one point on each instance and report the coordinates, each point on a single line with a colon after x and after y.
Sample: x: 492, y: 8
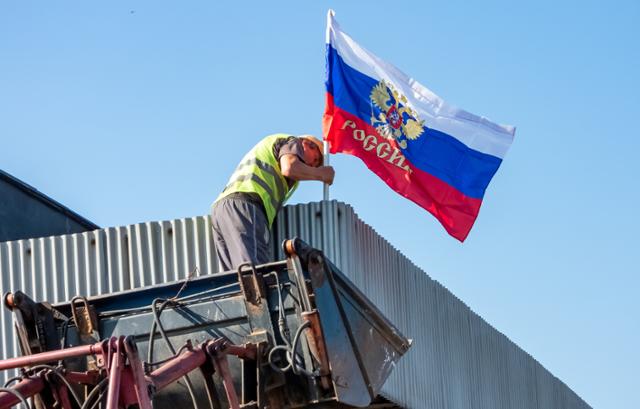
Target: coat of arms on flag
x: 391, y: 117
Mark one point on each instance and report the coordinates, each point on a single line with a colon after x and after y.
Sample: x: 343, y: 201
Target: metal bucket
x: 343, y: 348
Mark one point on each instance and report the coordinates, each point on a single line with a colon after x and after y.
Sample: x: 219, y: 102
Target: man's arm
x: 292, y: 167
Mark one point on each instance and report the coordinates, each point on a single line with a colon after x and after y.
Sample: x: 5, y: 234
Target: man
x: 263, y: 181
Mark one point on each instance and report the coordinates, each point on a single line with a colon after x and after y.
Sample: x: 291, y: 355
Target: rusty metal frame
x: 121, y: 365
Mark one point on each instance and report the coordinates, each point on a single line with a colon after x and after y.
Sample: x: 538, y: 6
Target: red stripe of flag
x: 349, y: 134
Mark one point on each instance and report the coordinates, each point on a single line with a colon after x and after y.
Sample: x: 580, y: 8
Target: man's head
x: 312, y: 150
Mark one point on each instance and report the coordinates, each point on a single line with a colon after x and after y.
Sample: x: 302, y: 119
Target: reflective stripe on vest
x: 256, y: 179
x: 280, y: 186
x: 259, y: 173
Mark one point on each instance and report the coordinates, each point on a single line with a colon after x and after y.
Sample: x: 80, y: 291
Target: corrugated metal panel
x: 457, y: 359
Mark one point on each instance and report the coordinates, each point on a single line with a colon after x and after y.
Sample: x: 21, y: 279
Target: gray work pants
x: 240, y: 232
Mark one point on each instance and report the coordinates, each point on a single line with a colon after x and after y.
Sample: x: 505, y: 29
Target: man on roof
x: 266, y: 177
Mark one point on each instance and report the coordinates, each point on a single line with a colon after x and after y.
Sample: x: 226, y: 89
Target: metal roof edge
x: 35, y: 193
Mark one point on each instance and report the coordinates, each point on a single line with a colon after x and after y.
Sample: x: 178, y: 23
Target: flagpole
x: 325, y: 193
x: 328, y: 221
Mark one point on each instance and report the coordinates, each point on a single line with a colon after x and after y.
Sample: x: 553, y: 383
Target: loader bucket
x: 347, y: 352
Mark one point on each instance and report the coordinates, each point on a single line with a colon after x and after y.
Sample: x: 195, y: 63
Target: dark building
x: 27, y: 213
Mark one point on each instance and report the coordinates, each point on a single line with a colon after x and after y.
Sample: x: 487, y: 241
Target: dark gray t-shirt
x: 288, y: 146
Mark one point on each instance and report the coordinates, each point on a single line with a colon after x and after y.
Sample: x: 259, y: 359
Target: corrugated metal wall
x: 457, y: 359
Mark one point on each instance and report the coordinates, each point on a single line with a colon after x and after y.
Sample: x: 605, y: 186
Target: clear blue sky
x: 137, y: 111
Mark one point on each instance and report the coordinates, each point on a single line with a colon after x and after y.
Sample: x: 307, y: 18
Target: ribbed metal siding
x: 102, y: 261
x: 457, y: 359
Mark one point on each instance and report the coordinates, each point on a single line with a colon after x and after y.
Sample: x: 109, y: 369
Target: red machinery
x: 120, y: 374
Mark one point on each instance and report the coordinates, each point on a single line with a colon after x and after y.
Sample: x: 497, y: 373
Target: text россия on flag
x: 440, y: 157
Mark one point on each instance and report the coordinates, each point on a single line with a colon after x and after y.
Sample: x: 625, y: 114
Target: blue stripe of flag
x: 434, y: 152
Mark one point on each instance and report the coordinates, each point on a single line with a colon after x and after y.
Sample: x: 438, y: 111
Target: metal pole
x: 328, y: 227
x: 178, y: 367
x: 325, y: 193
x: 139, y: 382
x: 115, y: 375
x: 25, y: 388
x: 50, y: 356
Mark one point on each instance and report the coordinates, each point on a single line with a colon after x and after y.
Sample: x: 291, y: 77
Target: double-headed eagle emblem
x: 391, y: 117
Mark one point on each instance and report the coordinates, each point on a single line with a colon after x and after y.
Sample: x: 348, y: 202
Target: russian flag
x: 440, y: 157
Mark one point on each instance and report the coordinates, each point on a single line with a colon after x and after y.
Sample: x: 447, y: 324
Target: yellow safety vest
x: 259, y: 172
